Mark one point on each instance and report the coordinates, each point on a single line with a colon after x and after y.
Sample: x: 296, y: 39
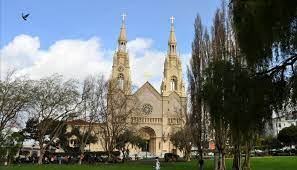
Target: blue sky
x: 57, y: 28
x: 53, y: 20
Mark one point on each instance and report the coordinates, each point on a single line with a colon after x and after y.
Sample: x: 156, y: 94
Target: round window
x: 147, y: 109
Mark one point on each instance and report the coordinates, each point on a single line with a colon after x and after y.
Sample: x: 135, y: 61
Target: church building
x: 163, y: 112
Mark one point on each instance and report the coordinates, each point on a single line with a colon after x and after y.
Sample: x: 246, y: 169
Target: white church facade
x: 162, y: 113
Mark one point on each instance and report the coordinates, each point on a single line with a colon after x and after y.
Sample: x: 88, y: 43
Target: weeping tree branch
x: 282, y: 67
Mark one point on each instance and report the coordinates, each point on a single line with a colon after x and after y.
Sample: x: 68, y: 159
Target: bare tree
x: 91, y: 107
x: 15, y: 97
x: 114, y: 114
x: 54, y: 102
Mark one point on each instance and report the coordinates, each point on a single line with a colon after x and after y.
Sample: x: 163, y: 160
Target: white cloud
x: 74, y: 58
x: 146, y: 63
x: 71, y: 58
x: 20, y: 52
x: 139, y: 45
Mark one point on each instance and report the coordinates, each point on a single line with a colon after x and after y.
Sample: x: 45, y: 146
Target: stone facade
x: 162, y: 113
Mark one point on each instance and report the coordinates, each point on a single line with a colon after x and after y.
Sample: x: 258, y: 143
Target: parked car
x: 170, y: 157
x: 144, y: 155
x: 257, y: 152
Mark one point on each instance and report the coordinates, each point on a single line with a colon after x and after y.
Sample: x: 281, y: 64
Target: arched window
x: 121, y: 81
x: 122, y: 46
x: 172, y: 48
x: 173, y: 83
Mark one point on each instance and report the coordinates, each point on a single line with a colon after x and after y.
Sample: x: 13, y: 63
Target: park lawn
x: 263, y: 163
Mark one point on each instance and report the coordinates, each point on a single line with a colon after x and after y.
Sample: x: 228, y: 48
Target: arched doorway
x: 149, y: 135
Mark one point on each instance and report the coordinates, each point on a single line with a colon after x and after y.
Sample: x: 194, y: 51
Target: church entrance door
x: 149, y: 135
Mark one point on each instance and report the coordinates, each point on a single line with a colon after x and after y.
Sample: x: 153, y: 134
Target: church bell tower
x: 172, y: 74
x: 121, y: 76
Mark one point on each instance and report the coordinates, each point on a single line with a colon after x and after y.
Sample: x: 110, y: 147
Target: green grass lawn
x: 265, y: 163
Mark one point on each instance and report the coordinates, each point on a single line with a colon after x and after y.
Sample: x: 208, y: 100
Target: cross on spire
x: 123, y: 16
x: 172, y: 19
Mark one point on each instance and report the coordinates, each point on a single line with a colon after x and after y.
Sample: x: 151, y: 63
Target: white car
x: 143, y: 155
x: 210, y: 154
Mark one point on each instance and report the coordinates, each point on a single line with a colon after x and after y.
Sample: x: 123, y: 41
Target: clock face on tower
x: 147, y: 109
x: 121, y: 69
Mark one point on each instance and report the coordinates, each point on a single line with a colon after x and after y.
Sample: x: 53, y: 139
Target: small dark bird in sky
x: 25, y: 16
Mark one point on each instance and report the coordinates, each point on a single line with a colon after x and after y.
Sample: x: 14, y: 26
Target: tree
x: 183, y: 141
x: 89, y: 110
x: 81, y: 138
x: 239, y: 100
x: 128, y: 138
x: 112, y: 110
x: 15, y: 98
x: 11, y: 146
x: 54, y: 102
x: 33, y: 131
x: 212, y: 84
x: 267, y: 35
x: 271, y: 142
x: 288, y: 135
x: 63, y: 140
x: 198, y: 120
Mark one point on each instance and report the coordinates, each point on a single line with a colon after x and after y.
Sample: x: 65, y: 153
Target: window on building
x: 122, y: 46
x: 173, y: 83
x: 121, y: 81
x: 172, y: 48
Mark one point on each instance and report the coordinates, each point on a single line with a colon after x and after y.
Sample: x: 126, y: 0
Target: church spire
x: 173, y: 77
x: 122, y: 41
x: 121, y: 67
x: 172, y: 39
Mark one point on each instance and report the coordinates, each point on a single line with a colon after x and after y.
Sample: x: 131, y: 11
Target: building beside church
x: 283, y: 120
x: 162, y: 113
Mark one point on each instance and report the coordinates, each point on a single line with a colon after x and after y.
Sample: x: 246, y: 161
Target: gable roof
x: 150, y: 87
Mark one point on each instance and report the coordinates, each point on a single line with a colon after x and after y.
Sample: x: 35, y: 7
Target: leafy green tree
x: 267, y: 35
x: 183, y: 141
x: 271, y: 142
x: 239, y: 100
x: 64, y: 140
x: 32, y: 131
x: 11, y: 147
x: 197, y: 121
x: 81, y: 138
x: 129, y: 138
x: 288, y: 135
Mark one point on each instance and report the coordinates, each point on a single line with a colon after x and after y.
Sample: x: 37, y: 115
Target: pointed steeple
x: 172, y: 39
x: 122, y: 41
x: 172, y: 74
x: 121, y: 67
x: 122, y: 36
